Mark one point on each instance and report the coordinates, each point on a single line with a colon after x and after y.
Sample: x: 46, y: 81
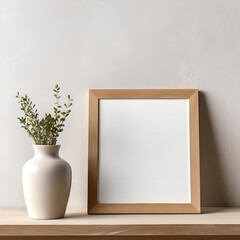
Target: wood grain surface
x: 212, y: 222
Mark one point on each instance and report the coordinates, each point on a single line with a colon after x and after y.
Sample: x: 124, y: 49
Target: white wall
x: 82, y: 44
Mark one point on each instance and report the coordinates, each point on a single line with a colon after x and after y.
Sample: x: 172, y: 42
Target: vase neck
x: 46, y: 150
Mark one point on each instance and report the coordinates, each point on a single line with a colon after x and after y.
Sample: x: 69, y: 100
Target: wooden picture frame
x: 190, y: 97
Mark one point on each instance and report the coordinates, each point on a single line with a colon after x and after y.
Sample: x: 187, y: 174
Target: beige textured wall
x: 84, y: 44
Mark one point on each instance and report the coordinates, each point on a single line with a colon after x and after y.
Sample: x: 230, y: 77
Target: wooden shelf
x: 212, y: 221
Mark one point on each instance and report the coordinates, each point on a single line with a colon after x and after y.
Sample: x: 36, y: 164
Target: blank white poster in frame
x: 143, y: 151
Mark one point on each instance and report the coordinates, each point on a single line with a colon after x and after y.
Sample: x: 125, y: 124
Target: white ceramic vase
x: 46, y: 183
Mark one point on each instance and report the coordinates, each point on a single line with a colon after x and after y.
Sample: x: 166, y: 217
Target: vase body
x: 46, y: 183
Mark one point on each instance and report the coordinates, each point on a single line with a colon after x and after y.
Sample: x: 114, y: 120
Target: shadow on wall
x: 213, y: 185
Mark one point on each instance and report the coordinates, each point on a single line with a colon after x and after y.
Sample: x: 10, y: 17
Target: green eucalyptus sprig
x: 44, y: 131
